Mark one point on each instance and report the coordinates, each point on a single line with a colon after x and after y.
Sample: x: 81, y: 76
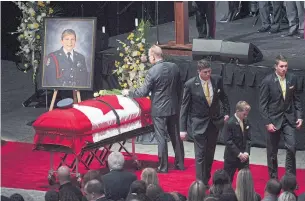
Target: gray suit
x: 295, y: 14
x: 163, y: 81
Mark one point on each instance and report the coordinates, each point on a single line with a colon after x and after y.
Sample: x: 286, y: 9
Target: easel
x: 76, y: 98
x: 51, y: 177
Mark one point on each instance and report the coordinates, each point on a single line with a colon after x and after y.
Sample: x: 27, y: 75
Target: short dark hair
x: 203, y: 64
x: 221, y: 177
x: 289, y: 182
x: 273, y: 187
x: 138, y: 187
x: 16, y: 197
x: 94, y: 186
x: 280, y: 58
x: 51, y: 196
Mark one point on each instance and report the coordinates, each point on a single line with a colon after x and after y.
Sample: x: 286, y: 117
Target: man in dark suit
x: 163, y: 81
x: 65, y: 182
x: 201, y: 102
x: 272, y: 190
x: 117, y: 182
x: 66, y: 67
x: 238, y: 141
x: 94, y: 190
x: 205, y: 18
x: 281, y: 110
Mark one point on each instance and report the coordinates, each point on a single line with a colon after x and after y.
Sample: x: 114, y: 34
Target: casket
x: 92, y: 121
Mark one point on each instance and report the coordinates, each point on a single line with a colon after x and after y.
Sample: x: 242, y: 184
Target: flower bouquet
x: 131, y: 63
x: 29, y: 32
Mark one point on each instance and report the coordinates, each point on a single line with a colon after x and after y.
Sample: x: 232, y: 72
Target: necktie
x: 69, y: 57
x: 282, y: 83
x: 241, y: 123
x: 207, y: 92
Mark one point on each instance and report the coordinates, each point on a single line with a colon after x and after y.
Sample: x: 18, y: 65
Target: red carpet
x: 25, y: 169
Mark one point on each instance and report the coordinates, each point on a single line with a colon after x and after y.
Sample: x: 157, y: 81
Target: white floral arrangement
x: 29, y: 32
x: 131, y: 63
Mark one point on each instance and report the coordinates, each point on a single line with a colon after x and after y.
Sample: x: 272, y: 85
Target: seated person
x: 289, y: 183
x: 272, y: 190
x: 117, y: 182
x: 66, y: 184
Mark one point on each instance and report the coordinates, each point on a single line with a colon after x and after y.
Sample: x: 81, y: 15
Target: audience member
x: 287, y: 196
x: 178, y: 196
x: 301, y: 197
x: 117, y: 182
x: 222, y: 185
x: 149, y: 175
x: 16, y: 197
x: 272, y: 190
x: 165, y: 197
x: 5, y: 198
x: 65, y: 182
x: 138, y: 187
x: 68, y: 195
x: 289, y: 182
x: 134, y: 197
x: 245, y: 187
x: 196, y: 191
x: 51, y: 195
x: 211, y: 198
x: 94, y: 190
x: 90, y: 175
x: 153, y: 190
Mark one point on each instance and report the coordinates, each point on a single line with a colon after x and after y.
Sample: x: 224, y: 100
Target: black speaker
x: 245, y: 53
x: 226, y: 51
x: 206, y: 49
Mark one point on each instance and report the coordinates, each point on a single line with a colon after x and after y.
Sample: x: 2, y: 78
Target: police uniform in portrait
x: 66, y: 67
x: 66, y: 70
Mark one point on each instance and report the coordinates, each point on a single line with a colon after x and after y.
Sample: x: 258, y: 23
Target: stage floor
x: 237, y: 31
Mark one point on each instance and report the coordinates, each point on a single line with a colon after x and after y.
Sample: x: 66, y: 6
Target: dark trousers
x: 205, y: 19
x: 295, y: 14
x: 204, y: 146
x: 264, y: 11
x: 231, y: 166
x: 165, y: 126
x: 273, y: 140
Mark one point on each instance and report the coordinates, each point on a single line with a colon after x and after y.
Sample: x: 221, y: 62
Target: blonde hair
x: 242, y: 106
x: 196, y: 191
x: 156, y: 51
x: 149, y: 175
x: 244, y: 186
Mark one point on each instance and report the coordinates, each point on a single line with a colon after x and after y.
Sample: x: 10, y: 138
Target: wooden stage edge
x: 171, y: 48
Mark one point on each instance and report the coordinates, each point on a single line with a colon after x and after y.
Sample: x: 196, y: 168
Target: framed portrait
x: 68, y: 52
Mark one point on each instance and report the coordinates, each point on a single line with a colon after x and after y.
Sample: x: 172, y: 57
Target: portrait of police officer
x: 66, y: 67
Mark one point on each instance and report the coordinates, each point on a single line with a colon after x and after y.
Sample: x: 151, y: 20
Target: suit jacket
x: 117, y: 184
x: 236, y: 141
x: 195, y: 105
x: 60, y: 72
x: 70, y: 187
x: 273, y: 107
x: 163, y: 81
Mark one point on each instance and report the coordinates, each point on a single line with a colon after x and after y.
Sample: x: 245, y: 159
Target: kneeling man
x: 237, y: 140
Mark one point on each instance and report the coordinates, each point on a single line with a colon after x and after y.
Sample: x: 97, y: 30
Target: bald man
x: 65, y: 182
x: 163, y: 81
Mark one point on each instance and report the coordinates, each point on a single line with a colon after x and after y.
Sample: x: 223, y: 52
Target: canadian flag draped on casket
x: 92, y: 121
